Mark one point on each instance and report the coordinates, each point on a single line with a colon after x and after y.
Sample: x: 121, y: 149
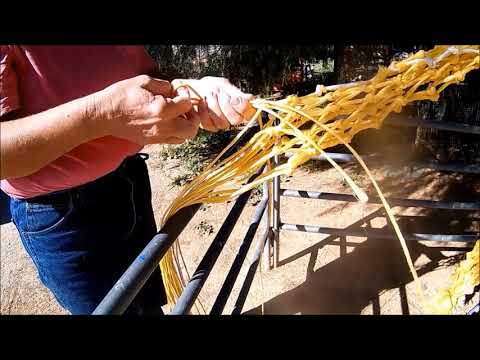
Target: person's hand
x: 226, y: 104
x: 145, y: 110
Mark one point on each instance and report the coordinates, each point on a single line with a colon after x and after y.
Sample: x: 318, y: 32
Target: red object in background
x: 277, y: 87
x: 297, y: 75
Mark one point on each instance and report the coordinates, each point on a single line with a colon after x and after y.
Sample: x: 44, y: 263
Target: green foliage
x: 195, y: 154
x: 256, y: 195
x: 257, y: 68
x: 253, y: 68
x: 182, y: 179
x: 205, y: 228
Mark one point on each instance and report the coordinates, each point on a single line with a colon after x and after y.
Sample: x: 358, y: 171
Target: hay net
x: 307, y: 125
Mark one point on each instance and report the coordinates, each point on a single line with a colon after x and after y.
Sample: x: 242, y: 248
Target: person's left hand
x: 227, y: 105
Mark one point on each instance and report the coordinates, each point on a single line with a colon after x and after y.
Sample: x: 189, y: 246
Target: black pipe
x: 191, y: 291
x: 232, y: 275
x: 127, y: 287
x: 452, y: 167
x: 131, y: 282
x: 379, y: 233
x: 400, y: 120
x: 475, y: 310
x: 428, y: 164
x: 247, y: 283
x: 431, y: 204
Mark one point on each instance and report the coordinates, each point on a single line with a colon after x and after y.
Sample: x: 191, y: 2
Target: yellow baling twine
x: 309, y: 124
x: 463, y: 282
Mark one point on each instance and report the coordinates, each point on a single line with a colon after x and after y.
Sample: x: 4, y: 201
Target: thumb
x: 157, y: 86
x: 177, y: 106
x: 183, y: 91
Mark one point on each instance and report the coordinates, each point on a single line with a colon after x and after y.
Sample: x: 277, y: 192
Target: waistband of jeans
x: 122, y: 171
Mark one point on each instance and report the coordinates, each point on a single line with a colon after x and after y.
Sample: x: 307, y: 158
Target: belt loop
x: 143, y: 156
x: 122, y: 170
x: 76, y: 195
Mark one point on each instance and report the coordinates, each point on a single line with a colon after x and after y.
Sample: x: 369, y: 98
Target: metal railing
x: 130, y: 283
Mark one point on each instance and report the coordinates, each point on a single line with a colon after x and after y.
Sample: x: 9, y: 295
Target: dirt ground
x: 316, y: 274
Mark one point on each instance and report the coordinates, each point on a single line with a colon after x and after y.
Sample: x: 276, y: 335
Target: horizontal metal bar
x: 452, y: 248
x: 338, y: 242
x: 379, y: 233
x: 338, y: 157
x: 400, y: 120
x: 247, y: 283
x: 453, y: 167
x: 232, y: 275
x: 475, y: 310
x: 431, y: 204
x: 428, y: 164
x: 131, y: 282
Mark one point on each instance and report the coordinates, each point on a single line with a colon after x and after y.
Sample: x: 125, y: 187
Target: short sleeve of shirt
x: 9, y: 97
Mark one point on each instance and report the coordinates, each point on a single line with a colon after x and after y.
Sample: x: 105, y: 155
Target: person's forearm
x: 141, y: 110
x: 30, y: 143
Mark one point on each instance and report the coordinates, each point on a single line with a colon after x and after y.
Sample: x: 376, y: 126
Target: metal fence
x: 128, y: 286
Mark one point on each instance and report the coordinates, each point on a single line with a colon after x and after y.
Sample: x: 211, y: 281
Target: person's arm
x: 32, y: 142
x: 138, y: 109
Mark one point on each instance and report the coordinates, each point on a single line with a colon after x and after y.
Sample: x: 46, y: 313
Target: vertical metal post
x: 266, y: 253
x: 343, y: 245
x: 270, y: 252
x: 276, y: 215
x: 273, y: 242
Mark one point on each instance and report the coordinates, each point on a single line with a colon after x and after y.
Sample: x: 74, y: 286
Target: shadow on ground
x: 355, y: 280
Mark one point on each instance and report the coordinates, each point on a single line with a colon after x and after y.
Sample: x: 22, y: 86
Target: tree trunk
x: 338, y: 65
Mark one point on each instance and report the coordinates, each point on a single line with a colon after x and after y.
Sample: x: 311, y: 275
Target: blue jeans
x: 83, y: 239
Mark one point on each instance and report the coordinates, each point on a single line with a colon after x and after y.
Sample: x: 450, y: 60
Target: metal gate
x: 128, y: 286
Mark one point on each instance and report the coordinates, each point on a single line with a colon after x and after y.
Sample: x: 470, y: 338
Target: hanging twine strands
x: 310, y: 124
x: 464, y: 280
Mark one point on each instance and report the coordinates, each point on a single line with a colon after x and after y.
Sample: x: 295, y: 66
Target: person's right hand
x: 142, y: 110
